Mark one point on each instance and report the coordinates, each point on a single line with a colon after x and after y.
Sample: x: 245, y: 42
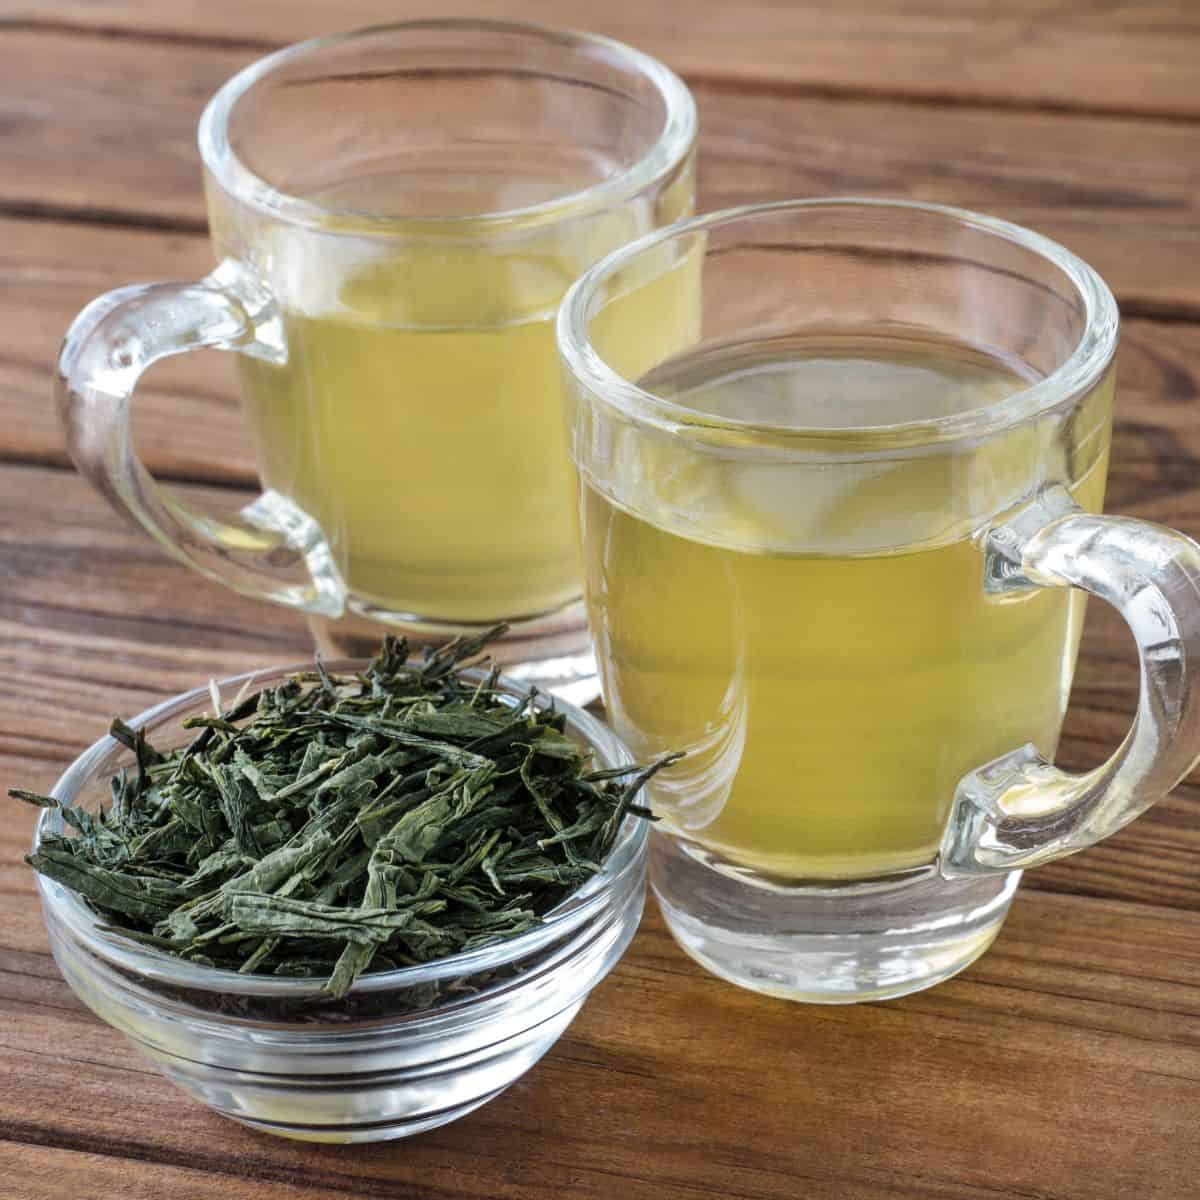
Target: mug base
x: 826, y: 943
x: 552, y: 652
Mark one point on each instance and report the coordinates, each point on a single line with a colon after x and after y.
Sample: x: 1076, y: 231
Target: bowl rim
x: 148, y: 963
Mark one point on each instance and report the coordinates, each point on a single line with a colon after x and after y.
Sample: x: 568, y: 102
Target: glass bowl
x: 404, y: 1050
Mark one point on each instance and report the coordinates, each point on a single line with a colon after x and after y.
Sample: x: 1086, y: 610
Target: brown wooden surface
x: 102, y: 129
x: 1065, y: 1065
x: 1103, y: 55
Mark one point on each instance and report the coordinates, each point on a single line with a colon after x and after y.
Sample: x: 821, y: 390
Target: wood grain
x: 81, y: 139
x: 40, y: 1172
x: 1121, y: 55
x: 187, y: 423
x: 1065, y: 1064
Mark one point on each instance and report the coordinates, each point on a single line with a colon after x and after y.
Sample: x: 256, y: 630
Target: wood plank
x: 1097, y: 54
x: 187, y: 422
x: 92, y: 614
x: 53, y: 1173
x: 1064, y: 1065
x: 82, y: 139
x: 95, y: 620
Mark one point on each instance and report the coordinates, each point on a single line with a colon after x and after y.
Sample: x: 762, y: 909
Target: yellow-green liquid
x: 829, y: 698
x: 418, y: 421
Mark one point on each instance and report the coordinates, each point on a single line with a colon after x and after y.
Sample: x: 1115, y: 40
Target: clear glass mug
x: 837, y: 547
x: 396, y: 213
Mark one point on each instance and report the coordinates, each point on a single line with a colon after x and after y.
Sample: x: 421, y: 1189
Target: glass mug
x: 838, y: 551
x: 396, y: 214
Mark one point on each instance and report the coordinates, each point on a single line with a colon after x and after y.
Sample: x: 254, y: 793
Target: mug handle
x: 280, y: 552
x: 1020, y: 810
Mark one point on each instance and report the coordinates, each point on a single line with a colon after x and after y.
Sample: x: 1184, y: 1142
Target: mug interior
x: 858, y: 268
x: 447, y: 120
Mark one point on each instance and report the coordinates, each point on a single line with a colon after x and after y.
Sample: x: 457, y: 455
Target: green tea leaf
x: 34, y: 798
x: 335, y: 824
x: 143, y: 898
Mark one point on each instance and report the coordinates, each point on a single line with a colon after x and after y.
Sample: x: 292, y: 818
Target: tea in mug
x: 819, y: 642
x: 418, y: 420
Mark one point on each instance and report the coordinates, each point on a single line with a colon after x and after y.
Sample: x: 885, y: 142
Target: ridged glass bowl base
x: 837, y: 944
x: 365, y: 1106
x: 363, y: 1134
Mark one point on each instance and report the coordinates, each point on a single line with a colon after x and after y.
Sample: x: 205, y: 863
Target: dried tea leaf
x: 338, y: 824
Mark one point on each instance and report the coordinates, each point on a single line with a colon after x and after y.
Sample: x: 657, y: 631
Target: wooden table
x: 1065, y: 1064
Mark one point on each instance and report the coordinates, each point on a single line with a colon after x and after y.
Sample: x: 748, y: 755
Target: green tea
x: 418, y: 420
x: 817, y: 639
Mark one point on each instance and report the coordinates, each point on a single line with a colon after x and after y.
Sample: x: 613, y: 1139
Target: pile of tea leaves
x: 334, y: 825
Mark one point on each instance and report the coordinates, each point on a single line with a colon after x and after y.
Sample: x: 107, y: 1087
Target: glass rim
x: 1078, y: 372
x: 146, y: 961
x: 670, y: 148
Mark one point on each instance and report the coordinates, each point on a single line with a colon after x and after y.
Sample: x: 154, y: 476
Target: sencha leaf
x: 34, y: 798
x: 140, y: 897
x: 339, y: 824
x: 255, y: 912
